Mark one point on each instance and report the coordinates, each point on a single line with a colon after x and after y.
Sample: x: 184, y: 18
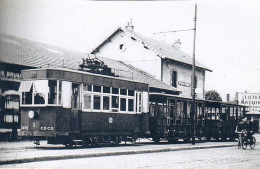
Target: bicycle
x: 244, y: 140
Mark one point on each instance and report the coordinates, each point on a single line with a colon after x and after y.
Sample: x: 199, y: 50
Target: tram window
x: 26, y: 90
x: 122, y: 104
x: 106, y: 89
x: 27, y: 97
x: 131, y: 93
x: 239, y: 112
x: 131, y: 105
x: 115, y: 100
x: 178, y: 111
x: 152, y: 109
x: 87, y: 101
x: 66, y: 96
x: 188, y: 110
x: 16, y: 118
x: 115, y: 90
x: 106, y: 102
x: 12, y: 102
x: 8, y: 118
x: 138, y: 102
x: 123, y: 91
x: 52, y: 95
x: 87, y: 87
x: 97, y: 102
x: 40, y: 91
x: 59, y: 92
x: 231, y: 111
x: 97, y: 89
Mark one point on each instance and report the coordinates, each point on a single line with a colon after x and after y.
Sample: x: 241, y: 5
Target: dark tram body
x: 171, y: 119
x: 69, y: 107
x: 221, y: 119
x: 75, y: 107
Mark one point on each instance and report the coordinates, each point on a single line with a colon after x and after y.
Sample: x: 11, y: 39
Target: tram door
x: 74, y: 125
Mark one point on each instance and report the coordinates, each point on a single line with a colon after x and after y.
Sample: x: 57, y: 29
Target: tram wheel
x: 223, y: 139
x: 69, y: 145
x: 156, y: 140
x: 252, y: 143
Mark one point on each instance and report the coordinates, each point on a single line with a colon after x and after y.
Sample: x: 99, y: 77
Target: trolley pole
x: 193, y: 82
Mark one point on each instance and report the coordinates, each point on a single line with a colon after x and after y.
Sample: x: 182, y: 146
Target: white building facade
x: 164, y: 62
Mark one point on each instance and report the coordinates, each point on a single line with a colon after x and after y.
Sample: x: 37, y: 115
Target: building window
x: 174, y: 78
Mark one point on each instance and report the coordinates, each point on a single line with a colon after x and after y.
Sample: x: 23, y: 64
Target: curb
x: 64, y: 157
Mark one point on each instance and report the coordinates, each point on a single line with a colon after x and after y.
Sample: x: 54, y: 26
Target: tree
x: 213, y: 95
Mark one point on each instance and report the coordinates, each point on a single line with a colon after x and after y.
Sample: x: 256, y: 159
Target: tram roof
x: 79, y: 72
x: 173, y: 96
x: 224, y: 103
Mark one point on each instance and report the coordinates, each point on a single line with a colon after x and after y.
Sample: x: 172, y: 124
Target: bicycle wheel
x: 252, y: 143
x: 244, y: 143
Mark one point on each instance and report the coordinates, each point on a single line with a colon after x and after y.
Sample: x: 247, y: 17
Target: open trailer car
x: 221, y: 119
x: 74, y: 107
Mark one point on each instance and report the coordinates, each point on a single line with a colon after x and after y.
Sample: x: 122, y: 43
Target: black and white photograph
x: 130, y: 84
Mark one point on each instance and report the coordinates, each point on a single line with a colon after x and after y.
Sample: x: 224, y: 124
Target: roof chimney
x: 228, y: 97
x: 129, y: 25
x: 177, y: 44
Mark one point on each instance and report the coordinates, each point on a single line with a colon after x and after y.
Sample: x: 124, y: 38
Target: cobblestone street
x: 223, y: 157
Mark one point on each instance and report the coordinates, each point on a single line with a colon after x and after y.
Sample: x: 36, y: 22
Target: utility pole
x: 193, y: 106
x: 193, y: 81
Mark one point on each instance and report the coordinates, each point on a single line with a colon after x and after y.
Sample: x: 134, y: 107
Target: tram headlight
x: 31, y: 114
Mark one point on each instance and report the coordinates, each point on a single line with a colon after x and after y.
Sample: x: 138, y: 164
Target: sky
x: 227, y: 38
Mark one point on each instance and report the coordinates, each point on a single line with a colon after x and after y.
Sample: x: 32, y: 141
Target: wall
x: 133, y: 53
x: 184, y: 78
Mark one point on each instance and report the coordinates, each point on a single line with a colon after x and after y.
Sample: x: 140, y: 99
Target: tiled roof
x: 162, y: 49
x: 20, y: 51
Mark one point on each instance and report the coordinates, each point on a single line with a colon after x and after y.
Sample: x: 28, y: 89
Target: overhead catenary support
x: 193, y: 82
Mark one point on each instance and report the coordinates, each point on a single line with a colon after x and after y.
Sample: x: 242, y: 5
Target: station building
x: 164, y: 62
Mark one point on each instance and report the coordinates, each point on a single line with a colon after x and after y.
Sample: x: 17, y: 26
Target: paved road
x: 228, y: 157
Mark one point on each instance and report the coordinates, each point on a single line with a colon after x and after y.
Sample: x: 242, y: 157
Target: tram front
x: 45, y: 112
